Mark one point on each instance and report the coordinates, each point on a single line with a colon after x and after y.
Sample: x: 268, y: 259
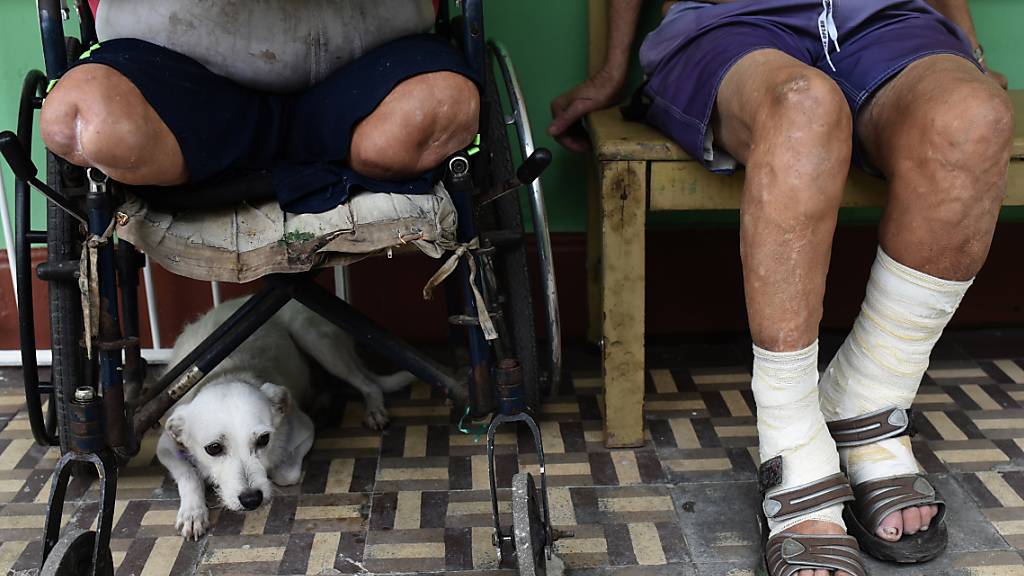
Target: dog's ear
x: 280, y: 397
x: 175, y: 426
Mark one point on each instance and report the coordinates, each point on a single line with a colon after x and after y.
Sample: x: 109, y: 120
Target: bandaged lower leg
x: 790, y: 424
x: 882, y: 361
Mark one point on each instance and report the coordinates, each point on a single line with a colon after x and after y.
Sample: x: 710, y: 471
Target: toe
x: 927, y: 514
x: 891, y: 527
x: 911, y: 520
x: 821, y: 573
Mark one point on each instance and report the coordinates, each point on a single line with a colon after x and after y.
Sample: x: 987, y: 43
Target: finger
x: 567, y: 117
x: 574, y: 143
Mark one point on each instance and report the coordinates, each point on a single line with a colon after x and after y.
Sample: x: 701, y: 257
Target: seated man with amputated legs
x: 330, y: 97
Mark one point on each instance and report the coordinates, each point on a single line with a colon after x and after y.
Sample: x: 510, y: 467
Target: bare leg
x: 940, y: 132
x: 424, y: 120
x: 791, y: 127
x: 97, y: 117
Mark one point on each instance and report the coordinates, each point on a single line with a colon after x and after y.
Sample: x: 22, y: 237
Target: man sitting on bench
x: 331, y: 97
x: 797, y: 91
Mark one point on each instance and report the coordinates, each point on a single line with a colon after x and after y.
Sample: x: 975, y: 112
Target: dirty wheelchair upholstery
x: 244, y: 242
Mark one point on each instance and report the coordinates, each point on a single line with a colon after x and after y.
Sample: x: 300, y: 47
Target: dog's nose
x: 250, y: 499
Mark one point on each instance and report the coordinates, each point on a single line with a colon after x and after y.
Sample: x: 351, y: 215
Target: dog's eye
x: 214, y: 449
x: 263, y: 440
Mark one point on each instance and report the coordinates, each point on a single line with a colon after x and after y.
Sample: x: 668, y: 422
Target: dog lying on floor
x: 243, y: 426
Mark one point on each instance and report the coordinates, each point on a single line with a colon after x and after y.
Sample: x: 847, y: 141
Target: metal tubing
x: 473, y: 36
x: 106, y: 466
x: 527, y: 419
x: 26, y: 320
x: 362, y: 329
x: 87, y: 24
x: 51, y: 25
x: 111, y: 375
x: 540, y: 215
x: 128, y: 279
x: 257, y: 300
x: 210, y: 352
x: 33, y: 84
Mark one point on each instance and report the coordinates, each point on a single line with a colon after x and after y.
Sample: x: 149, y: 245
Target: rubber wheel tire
x: 64, y: 239
x: 64, y: 242
x: 72, y: 556
x: 510, y: 262
x: 528, y: 527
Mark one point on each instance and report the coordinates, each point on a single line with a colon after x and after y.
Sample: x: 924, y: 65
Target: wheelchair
x: 97, y: 230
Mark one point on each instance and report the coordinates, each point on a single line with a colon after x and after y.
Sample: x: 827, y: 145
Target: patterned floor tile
x: 415, y: 498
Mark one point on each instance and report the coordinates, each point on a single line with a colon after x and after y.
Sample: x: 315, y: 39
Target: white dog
x: 242, y: 427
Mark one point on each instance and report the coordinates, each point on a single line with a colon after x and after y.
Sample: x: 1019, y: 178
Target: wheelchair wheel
x: 528, y: 527
x: 68, y: 372
x: 72, y: 556
x: 502, y: 222
x: 64, y: 244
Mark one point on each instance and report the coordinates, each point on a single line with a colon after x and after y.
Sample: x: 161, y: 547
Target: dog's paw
x: 192, y: 521
x: 376, y: 417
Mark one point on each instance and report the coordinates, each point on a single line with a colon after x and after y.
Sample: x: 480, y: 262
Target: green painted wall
x: 548, y: 41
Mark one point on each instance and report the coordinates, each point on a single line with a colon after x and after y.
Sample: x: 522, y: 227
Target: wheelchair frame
x: 102, y: 426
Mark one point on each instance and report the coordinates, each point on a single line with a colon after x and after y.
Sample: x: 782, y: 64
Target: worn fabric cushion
x: 248, y: 241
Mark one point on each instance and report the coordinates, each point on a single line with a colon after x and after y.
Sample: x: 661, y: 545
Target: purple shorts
x: 687, y: 57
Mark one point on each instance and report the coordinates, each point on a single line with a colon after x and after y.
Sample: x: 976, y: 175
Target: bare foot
x: 907, y: 521
x: 818, y: 527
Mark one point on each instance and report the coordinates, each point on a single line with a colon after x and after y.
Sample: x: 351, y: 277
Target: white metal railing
x: 158, y: 353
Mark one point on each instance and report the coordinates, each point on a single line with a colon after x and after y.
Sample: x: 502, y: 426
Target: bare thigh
x: 421, y: 122
x: 97, y: 117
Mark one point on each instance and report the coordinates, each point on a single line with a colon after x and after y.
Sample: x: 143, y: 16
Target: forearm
x: 960, y: 14
x: 622, y: 20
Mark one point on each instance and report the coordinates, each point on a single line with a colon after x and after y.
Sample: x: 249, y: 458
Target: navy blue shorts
x: 703, y: 41
x: 302, y: 139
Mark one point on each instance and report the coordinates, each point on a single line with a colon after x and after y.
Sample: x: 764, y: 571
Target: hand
x: 597, y: 93
x: 998, y: 77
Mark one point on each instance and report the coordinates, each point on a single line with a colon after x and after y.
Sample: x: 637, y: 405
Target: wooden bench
x: 640, y: 170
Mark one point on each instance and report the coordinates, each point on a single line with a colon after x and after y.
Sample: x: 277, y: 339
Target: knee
x: 811, y: 108
x: 87, y: 119
x: 423, y: 121
x: 970, y: 131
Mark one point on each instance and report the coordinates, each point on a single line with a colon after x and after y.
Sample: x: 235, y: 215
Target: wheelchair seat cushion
x: 247, y: 241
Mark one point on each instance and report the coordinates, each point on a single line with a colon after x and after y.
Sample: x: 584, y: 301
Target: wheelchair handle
x: 25, y: 170
x: 533, y: 166
x: 15, y: 155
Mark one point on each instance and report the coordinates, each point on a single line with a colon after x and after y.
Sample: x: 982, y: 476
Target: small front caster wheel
x: 72, y: 556
x: 528, y: 527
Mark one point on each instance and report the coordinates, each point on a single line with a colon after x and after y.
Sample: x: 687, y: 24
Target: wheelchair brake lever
x: 529, y: 171
x: 25, y: 170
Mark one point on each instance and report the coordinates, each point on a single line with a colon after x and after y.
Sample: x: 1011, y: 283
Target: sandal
x: 876, y: 499
x: 787, y: 553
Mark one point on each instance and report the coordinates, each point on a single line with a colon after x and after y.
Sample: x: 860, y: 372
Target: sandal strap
x: 784, y: 504
x: 868, y: 428
x: 878, y: 498
x: 788, y: 553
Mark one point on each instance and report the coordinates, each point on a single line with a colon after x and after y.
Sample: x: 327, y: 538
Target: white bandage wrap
x: 882, y: 361
x: 790, y: 424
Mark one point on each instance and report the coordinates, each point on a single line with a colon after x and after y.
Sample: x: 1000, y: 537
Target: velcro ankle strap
x: 780, y: 505
x: 869, y: 428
